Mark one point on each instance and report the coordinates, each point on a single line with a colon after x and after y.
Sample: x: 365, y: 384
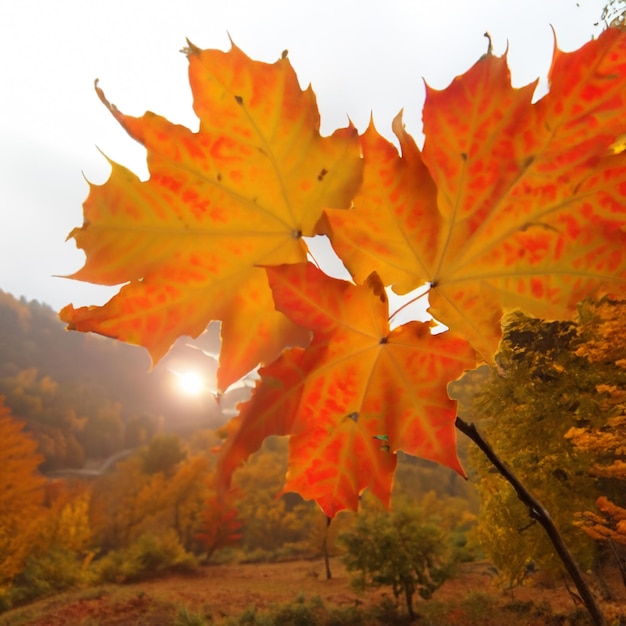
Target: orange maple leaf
x: 512, y: 204
x: 357, y: 395
x: 240, y: 192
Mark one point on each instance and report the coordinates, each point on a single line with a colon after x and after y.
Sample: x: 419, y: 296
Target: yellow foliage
x: 67, y: 524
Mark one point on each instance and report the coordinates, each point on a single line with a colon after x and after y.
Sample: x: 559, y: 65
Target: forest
x: 68, y: 404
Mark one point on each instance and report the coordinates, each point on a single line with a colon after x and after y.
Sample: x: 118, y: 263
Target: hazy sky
x: 359, y: 55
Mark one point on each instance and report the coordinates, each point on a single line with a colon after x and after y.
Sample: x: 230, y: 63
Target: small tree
x: 402, y: 550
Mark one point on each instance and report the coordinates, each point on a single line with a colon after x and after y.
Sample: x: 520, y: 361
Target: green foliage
x: 148, y: 557
x: 402, y: 549
x: 52, y: 571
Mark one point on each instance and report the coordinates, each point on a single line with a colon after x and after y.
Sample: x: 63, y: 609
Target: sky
x: 362, y: 57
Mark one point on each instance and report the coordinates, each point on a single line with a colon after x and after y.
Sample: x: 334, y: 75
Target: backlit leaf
x: 357, y: 395
x: 240, y: 192
x: 512, y: 204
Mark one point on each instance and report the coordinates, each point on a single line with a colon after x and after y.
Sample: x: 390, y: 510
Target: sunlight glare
x: 191, y: 383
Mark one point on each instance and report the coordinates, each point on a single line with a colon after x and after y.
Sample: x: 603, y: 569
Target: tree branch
x: 537, y: 512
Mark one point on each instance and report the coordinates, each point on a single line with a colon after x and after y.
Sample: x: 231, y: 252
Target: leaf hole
x: 239, y: 100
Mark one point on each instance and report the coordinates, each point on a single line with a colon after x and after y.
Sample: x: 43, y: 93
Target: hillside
x: 92, y: 390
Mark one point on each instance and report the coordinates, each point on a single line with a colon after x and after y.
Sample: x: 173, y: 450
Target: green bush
x: 48, y: 573
x: 402, y: 550
x: 148, y: 557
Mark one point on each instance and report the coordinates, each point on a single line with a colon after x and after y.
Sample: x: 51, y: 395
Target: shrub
x: 149, y: 556
x: 401, y: 550
x: 48, y: 573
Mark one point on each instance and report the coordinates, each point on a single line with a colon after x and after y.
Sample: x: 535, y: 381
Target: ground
x: 225, y: 592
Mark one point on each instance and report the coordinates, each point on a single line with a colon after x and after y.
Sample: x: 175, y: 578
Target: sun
x: 190, y: 383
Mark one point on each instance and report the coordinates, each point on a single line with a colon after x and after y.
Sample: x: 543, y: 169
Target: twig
x: 537, y: 512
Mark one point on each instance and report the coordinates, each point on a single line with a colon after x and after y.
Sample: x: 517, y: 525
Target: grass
x: 271, y: 594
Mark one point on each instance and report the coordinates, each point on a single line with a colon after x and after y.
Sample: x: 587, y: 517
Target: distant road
x: 106, y: 466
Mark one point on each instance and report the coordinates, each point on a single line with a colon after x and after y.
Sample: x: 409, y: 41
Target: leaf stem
x: 409, y: 303
x: 537, y: 512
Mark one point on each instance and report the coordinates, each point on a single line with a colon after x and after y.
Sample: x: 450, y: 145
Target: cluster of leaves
x: 602, y: 328
x: 545, y: 394
x: 511, y: 204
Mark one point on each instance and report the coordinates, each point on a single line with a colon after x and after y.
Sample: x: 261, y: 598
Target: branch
x: 537, y: 512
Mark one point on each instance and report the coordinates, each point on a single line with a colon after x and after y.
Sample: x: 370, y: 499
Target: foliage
x: 220, y: 526
x: 542, y: 390
x: 148, y: 556
x: 51, y: 571
x: 512, y: 204
x: 403, y: 550
x: 67, y: 524
x: 271, y: 520
x: 163, y: 454
x: 602, y: 329
x: 130, y: 502
x: 21, y: 495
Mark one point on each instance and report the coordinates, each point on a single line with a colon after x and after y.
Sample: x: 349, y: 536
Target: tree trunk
x: 408, y: 594
x: 325, y: 549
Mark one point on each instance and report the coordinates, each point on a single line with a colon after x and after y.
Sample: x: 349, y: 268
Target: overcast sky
x: 361, y: 56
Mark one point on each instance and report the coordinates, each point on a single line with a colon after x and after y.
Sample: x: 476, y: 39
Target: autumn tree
x: 168, y: 492
x: 602, y: 330
x: 220, y: 526
x: 67, y: 524
x: 21, y: 495
x: 541, y: 388
x: 271, y: 520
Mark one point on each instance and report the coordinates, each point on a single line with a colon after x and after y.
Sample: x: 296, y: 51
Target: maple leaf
x: 240, y: 192
x: 512, y: 204
x: 357, y: 395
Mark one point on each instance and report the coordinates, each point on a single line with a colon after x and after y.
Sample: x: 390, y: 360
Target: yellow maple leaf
x: 240, y: 192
